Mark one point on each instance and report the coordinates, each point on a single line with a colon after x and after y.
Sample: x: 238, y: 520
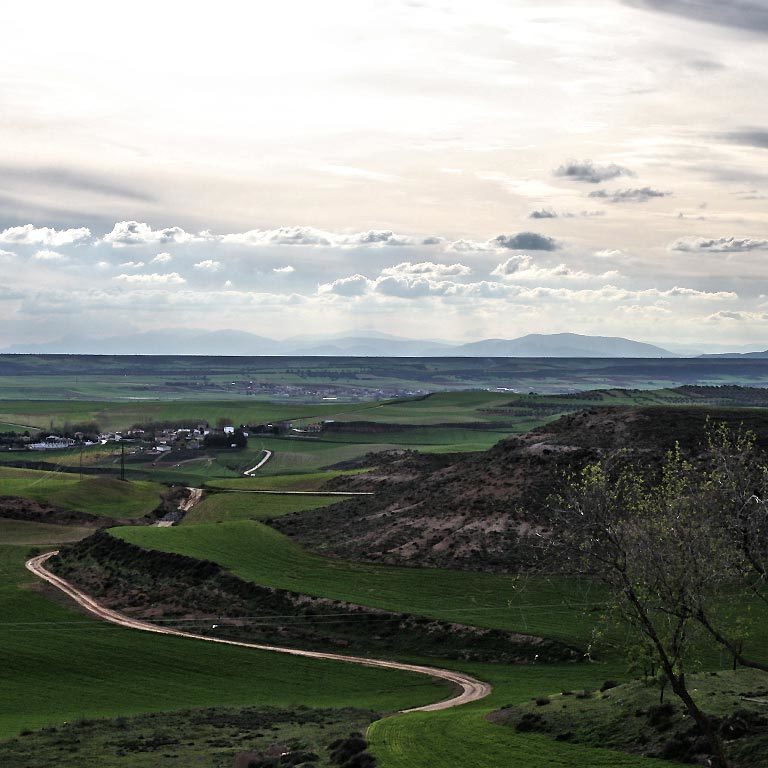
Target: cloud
x: 47, y: 177
x: 426, y: 268
x: 310, y: 236
x: 609, y: 253
x: 405, y: 287
x: 521, y: 267
x: 162, y: 258
x: 512, y: 265
x: 46, y: 255
x: 733, y: 316
x: 543, y: 213
x: 356, y: 285
x: 526, y: 241
x: 132, y: 264
x: 587, y: 171
x: 9, y: 294
x: 208, y: 265
x: 126, y: 233
x: 7, y: 255
x: 286, y: 270
x: 719, y: 245
x: 29, y: 234
x: 751, y: 15
x: 170, y: 278
x: 755, y: 137
x: 638, y: 195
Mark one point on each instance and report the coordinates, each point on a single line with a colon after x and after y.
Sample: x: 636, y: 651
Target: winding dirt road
x: 471, y: 689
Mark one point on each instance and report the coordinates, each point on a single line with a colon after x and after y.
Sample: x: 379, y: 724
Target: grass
x: 301, y: 481
x: 464, y: 737
x: 627, y: 717
x: 551, y: 607
x: 60, y: 665
x: 209, y: 737
x: 26, y: 533
x: 95, y: 495
x: 222, y: 507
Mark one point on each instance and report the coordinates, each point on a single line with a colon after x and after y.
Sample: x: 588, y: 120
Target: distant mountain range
x: 742, y: 355
x: 367, y: 344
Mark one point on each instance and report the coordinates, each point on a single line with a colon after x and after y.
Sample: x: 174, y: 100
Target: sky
x: 450, y: 170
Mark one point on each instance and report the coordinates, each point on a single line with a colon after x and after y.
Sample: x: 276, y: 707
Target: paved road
x: 470, y: 689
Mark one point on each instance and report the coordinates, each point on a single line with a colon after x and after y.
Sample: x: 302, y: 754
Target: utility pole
x: 81, y: 459
x: 122, y: 461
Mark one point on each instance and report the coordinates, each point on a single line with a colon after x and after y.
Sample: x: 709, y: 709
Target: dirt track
x: 471, y: 689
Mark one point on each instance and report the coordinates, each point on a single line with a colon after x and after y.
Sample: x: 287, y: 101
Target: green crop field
x: 554, y: 607
x: 299, y: 481
x: 24, y: 532
x: 95, y: 495
x: 59, y: 664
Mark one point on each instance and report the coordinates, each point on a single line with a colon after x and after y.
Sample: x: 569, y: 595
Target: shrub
x: 530, y: 721
x: 342, y: 750
x: 607, y: 685
x: 542, y: 701
x: 659, y: 716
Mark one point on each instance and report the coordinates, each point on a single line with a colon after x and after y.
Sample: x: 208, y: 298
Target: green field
x: 62, y: 665
x: 25, y: 533
x: 553, y: 607
x: 299, y: 481
x: 94, y: 495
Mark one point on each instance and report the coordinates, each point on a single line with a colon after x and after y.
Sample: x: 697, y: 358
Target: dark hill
x: 484, y: 510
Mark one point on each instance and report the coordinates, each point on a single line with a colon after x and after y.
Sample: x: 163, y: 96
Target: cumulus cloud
x: 169, y: 278
x: 29, y: 234
x: 126, y: 233
x: 543, y: 213
x: 208, y: 265
x: 162, y: 258
x: 286, y: 270
x: 719, y: 244
x: 526, y: 241
x: 426, y: 268
x: 512, y: 265
x: 310, y: 236
x: 637, y: 195
x: 7, y: 255
x: 132, y: 264
x: 356, y: 285
x: 521, y: 267
x: 589, y: 172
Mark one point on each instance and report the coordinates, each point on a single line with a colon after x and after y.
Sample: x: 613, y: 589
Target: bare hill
x: 483, y: 511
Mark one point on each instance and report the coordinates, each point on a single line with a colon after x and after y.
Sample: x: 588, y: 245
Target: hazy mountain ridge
x: 368, y: 344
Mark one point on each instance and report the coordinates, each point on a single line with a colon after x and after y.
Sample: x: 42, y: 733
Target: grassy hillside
x: 253, y: 551
x: 27, y: 533
x: 61, y: 665
x: 95, y: 495
x: 630, y: 717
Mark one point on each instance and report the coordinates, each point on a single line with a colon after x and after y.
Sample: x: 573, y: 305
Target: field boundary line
x: 471, y: 689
